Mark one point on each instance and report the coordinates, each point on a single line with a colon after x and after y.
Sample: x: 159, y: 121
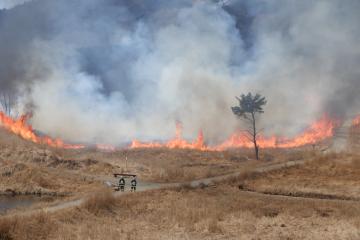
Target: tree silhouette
x: 249, y: 106
x: 6, y: 101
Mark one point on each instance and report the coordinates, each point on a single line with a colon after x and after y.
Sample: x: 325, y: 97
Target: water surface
x: 11, y: 202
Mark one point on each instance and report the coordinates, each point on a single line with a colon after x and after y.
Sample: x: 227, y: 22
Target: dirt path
x: 298, y: 198
x: 145, y: 186
x: 302, y: 195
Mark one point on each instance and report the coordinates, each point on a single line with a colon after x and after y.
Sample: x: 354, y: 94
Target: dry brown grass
x: 5, y: 229
x: 175, y: 165
x: 223, y: 212
x: 27, y: 178
x: 28, y: 168
x: 38, y: 226
x: 159, y: 164
x: 226, y: 213
x: 332, y: 175
x: 218, y: 212
x: 100, y: 203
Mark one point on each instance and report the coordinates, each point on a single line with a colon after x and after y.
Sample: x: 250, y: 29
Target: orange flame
x: 318, y: 131
x: 177, y: 142
x: 20, y: 127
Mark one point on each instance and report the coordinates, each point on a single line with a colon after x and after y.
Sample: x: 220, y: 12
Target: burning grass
x: 27, y: 168
x: 218, y: 212
x: 22, y: 128
x: 316, y: 132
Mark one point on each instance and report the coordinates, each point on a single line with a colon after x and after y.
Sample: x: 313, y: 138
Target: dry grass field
x: 179, y: 165
x: 332, y: 175
x: 27, y: 168
x: 221, y: 212
x: 281, y: 204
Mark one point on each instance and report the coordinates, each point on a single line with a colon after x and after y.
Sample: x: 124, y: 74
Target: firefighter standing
x: 133, y: 184
x: 122, y: 184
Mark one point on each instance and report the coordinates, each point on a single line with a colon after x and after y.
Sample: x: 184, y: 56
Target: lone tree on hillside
x: 249, y: 106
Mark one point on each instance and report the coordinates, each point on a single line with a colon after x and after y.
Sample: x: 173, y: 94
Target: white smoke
x: 8, y: 4
x: 175, y: 77
x: 111, y: 71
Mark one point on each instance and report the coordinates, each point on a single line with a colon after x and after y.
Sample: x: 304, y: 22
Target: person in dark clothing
x: 133, y: 184
x: 122, y: 184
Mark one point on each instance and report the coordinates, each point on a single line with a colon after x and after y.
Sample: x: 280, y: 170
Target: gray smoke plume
x: 110, y: 71
x: 7, y: 4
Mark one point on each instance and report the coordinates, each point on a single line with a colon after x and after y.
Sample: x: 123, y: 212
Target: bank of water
x: 11, y: 202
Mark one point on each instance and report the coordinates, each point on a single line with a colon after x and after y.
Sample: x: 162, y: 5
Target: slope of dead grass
x: 28, y: 168
x: 177, y: 165
x: 25, y: 178
x: 167, y: 165
x: 154, y: 165
x: 220, y: 212
x: 223, y: 212
x: 332, y: 174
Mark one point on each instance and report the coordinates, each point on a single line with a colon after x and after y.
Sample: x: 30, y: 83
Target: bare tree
x: 249, y: 106
x: 7, y: 102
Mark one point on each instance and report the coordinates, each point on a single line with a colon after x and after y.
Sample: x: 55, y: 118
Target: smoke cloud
x: 111, y: 71
x: 7, y: 4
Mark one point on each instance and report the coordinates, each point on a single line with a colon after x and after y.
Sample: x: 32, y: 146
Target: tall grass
x: 39, y: 226
x: 100, y: 203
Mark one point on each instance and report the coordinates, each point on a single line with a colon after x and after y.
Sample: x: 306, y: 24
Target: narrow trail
x: 146, y: 186
x: 302, y: 196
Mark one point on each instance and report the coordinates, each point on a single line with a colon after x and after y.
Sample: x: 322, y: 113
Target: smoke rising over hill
x: 110, y: 71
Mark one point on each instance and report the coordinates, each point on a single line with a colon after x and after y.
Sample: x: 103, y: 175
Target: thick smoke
x: 7, y: 4
x: 110, y: 71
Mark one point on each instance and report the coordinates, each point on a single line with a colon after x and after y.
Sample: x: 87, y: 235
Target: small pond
x: 10, y: 202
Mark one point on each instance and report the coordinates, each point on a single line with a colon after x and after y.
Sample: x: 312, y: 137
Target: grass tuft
x: 100, y: 203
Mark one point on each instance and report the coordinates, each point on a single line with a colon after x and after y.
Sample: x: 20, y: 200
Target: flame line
x: 21, y: 128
